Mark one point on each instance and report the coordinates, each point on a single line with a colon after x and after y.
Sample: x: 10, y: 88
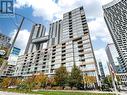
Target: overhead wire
x: 17, y: 20
x: 13, y: 21
x: 25, y: 18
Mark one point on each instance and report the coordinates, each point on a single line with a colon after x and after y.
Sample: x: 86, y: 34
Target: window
x: 70, y: 36
x: 63, y: 47
x: 53, y: 53
x: 45, y: 55
x: 35, y: 68
x: 54, y: 46
x: 63, y: 59
x: 64, y: 44
x: 81, y: 8
x: 63, y: 51
x: 53, y: 61
x: 63, y: 55
x: 36, y: 64
x: 53, y: 57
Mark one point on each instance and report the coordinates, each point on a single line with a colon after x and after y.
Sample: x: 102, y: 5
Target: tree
x: 51, y: 81
x: 61, y: 76
x: 30, y: 82
x: 89, y: 80
x: 1, y: 61
x: 6, y: 82
x: 107, y: 80
x: 22, y: 85
x: 13, y: 81
x: 76, y: 78
x: 40, y: 80
x: 18, y: 81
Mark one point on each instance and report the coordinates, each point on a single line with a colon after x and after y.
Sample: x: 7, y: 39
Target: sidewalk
x: 14, y: 93
x: 89, y: 91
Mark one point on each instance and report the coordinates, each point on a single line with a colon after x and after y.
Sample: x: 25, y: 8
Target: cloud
x: 103, y: 2
x: 99, y: 30
x: 48, y: 9
x: 41, y: 8
x: 22, y: 39
x: 101, y: 52
x: 51, y: 11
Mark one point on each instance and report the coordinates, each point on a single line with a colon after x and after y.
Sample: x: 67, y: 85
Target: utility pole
x: 12, y: 45
x: 113, y: 77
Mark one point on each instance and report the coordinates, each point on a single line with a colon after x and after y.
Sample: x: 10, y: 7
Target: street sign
x: 15, y: 51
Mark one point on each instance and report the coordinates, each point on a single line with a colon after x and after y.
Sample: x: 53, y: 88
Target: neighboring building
x: 69, y: 43
x: 4, y: 40
x: 113, y: 57
x: 122, y: 79
x: 102, y: 74
x: 115, y: 16
x: 8, y: 71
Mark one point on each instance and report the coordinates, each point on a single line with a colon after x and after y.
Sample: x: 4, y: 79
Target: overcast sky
x: 47, y: 11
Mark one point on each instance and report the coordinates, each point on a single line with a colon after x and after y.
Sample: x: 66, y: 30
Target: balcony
x: 40, y: 40
x: 87, y: 63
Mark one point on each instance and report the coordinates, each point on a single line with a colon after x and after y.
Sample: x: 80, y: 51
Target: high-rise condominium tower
x: 36, y: 39
x: 115, y: 14
x: 69, y: 43
x: 113, y: 57
x: 55, y: 33
x: 102, y: 74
